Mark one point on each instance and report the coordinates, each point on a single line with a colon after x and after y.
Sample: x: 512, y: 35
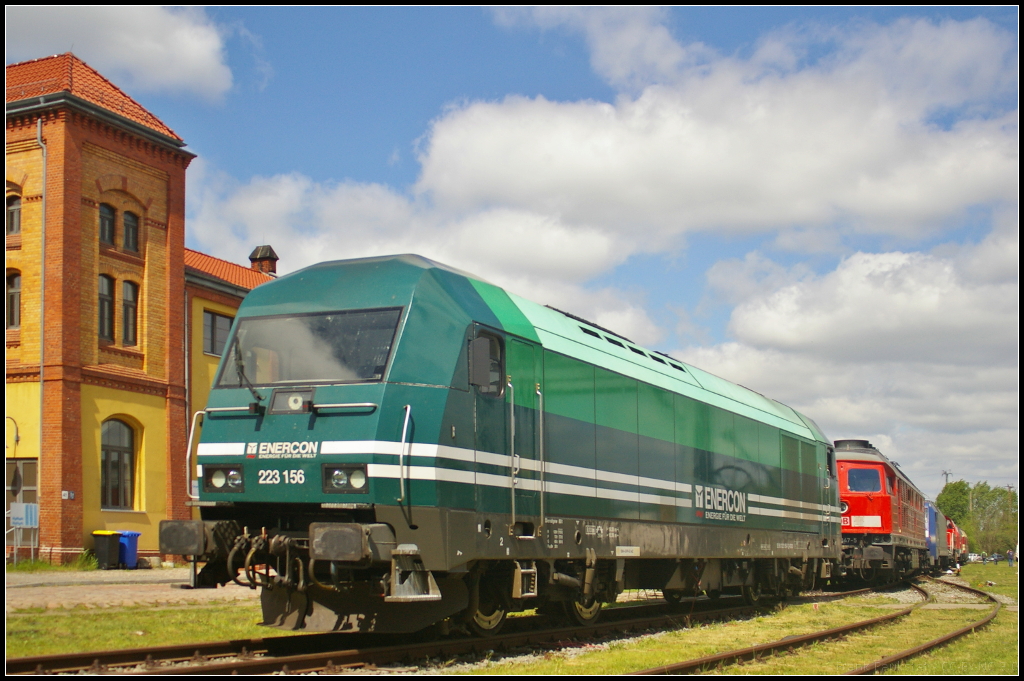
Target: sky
x: 820, y: 204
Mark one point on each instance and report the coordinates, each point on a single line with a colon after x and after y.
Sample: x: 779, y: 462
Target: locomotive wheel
x: 580, y: 614
x: 714, y: 594
x: 672, y: 596
x: 488, y: 618
x: 753, y: 595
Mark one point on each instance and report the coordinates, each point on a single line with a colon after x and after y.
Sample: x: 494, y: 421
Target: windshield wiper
x: 240, y: 370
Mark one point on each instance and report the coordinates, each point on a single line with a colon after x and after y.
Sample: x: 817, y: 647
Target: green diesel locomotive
x: 391, y: 443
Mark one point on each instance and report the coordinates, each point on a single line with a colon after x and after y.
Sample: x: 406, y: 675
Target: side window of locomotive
x: 486, y: 367
x: 863, y: 480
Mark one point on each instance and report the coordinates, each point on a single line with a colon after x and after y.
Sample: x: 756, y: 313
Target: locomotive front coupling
x: 330, y: 556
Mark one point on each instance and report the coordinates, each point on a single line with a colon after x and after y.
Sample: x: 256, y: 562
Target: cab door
x: 490, y: 419
x: 504, y: 375
x: 521, y: 401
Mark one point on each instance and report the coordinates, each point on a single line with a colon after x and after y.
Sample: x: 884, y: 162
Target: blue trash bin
x: 128, y: 551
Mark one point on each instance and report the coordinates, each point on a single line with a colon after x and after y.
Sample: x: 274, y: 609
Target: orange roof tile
x: 239, y: 275
x: 67, y: 73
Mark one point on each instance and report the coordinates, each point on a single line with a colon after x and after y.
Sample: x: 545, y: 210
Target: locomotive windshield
x: 864, y: 480
x: 331, y: 347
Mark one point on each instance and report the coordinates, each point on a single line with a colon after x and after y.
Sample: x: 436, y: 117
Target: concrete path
x: 112, y: 588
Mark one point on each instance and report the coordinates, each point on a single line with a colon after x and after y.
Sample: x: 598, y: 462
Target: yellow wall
x: 146, y: 415
x: 204, y: 366
x: 23, y: 408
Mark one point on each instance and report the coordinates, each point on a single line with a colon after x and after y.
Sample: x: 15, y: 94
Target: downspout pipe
x: 42, y: 286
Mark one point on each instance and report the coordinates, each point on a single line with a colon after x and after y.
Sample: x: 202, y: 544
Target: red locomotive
x: 956, y: 540
x: 883, y: 514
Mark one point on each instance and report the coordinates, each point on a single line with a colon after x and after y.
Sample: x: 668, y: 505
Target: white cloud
x: 544, y: 197
x: 996, y: 259
x: 735, y: 281
x: 895, y: 306
x: 629, y: 46
x: 910, y: 349
x: 151, y: 49
x: 744, y: 145
x: 531, y: 254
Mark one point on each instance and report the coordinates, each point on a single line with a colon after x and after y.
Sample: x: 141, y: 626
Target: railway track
x: 333, y: 653
x: 891, y: 660
x: 327, y: 652
x: 790, y: 644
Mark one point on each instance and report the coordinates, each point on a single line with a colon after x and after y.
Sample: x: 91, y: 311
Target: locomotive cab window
x: 332, y: 347
x: 486, y: 366
x: 863, y: 480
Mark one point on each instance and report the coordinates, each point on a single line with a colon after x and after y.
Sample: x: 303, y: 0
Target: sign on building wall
x: 24, y: 515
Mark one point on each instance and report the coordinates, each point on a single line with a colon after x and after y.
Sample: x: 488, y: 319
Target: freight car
x: 883, y: 515
x: 391, y: 443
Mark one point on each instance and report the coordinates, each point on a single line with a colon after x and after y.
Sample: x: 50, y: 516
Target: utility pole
x: 947, y: 474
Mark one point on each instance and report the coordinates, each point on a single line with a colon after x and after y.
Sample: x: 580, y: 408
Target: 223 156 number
x: 289, y: 477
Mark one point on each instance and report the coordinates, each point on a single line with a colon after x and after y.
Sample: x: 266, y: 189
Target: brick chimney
x: 264, y: 260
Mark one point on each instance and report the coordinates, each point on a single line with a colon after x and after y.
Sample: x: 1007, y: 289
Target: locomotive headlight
x: 843, y: 507
x: 344, y: 478
x: 357, y: 479
x: 218, y: 479
x: 339, y: 478
x: 223, y: 479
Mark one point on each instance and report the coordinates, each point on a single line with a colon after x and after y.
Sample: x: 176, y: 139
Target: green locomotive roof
x: 398, y: 280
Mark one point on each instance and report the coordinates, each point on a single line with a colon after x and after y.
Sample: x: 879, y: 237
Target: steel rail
x: 890, y: 660
x: 786, y: 645
x: 104, y: 659
x: 280, y: 647
x: 449, y: 648
x: 276, y: 650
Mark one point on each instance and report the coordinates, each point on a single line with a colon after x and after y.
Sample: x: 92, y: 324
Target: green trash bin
x: 107, y: 548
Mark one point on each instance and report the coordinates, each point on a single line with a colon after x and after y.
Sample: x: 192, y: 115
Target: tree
x: 955, y: 501
x: 987, y: 514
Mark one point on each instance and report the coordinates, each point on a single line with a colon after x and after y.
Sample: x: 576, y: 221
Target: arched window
x: 117, y: 465
x: 13, y: 318
x: 131, y: 232
x: 130, y: 301
x: 14, y: 215
x: 107, y: 218
x: 106, y: 308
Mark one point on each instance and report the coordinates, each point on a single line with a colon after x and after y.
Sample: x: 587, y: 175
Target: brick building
x: 114, y: 309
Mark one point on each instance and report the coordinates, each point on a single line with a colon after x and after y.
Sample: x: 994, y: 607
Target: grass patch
x: 837, y: 657
x: 627, y: 656
x: 31, y: 634
x: 35, y: 565
x: 874, y: 599
x: 992, y: 650
x: 1005, y: 577
x: 83, y: 561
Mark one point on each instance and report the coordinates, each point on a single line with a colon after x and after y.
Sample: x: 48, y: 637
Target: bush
x: 86, y: 560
